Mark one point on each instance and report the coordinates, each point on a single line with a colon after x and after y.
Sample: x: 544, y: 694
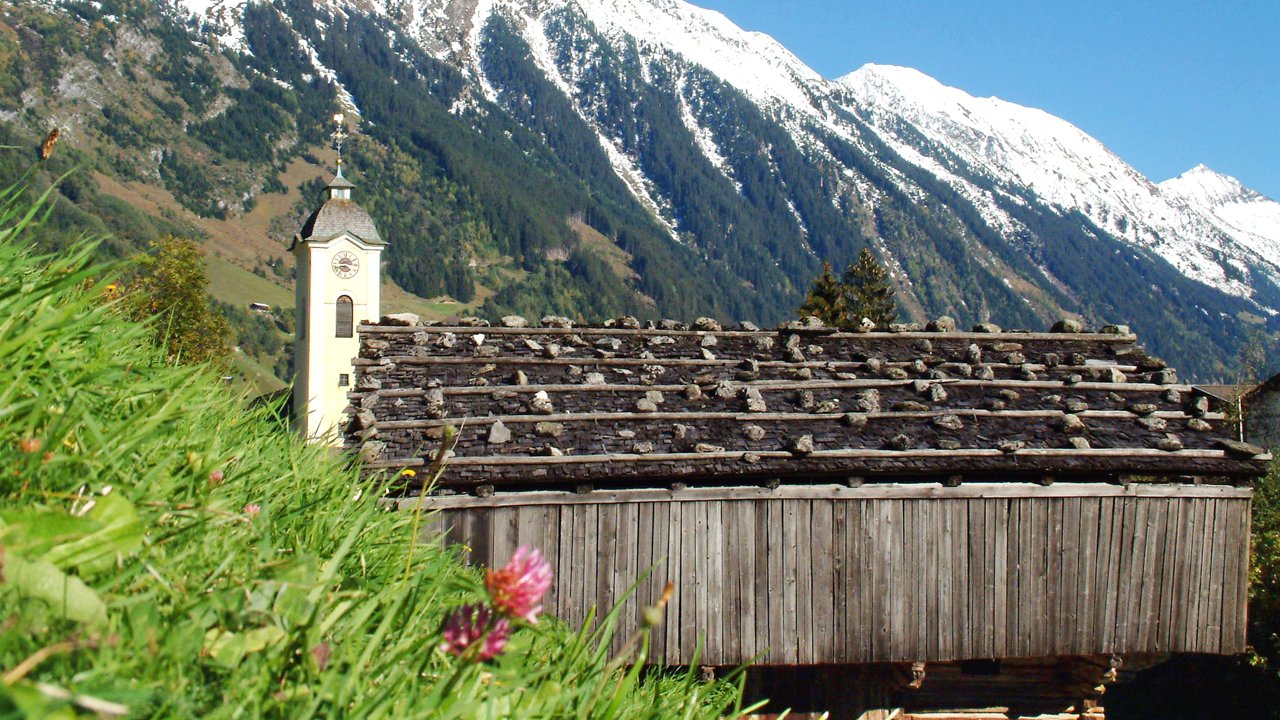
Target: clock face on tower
x: 346, y: 265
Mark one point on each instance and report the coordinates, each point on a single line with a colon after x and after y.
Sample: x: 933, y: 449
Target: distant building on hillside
x: 1228, y: 400
x: 1262, y: 413
x: 1253, y: 411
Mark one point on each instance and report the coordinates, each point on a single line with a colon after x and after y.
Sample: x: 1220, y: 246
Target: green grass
x: 170, y: 552
x: 255, y: 377
x: 619, y: 260
x: 403, y: 302
x: 431, y: 310
x: 397, y: 300
x: 233, y: 284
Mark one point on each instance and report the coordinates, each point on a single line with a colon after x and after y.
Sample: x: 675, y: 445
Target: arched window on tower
x: 346, y: 317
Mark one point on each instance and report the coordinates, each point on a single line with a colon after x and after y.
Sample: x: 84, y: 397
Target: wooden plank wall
x: 817, y: 575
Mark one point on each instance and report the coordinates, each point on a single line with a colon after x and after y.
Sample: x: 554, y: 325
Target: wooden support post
x: 917, y: 675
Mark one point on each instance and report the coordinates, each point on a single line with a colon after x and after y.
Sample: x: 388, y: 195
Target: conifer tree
x: 827, y: 299
x: 869, y: 292
x: 863, y: 291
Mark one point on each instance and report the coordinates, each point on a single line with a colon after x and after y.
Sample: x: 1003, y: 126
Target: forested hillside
x: 564, y: 169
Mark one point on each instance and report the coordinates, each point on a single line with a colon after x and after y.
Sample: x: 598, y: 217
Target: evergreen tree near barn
x: 827, y: 299
x: 869, y: 291
x: 862, y: 291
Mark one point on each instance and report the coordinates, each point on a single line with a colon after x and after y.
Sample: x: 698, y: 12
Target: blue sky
x: 1165, y: 85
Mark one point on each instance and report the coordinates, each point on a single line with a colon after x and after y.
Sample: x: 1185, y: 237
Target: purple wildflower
x: 470, y: 624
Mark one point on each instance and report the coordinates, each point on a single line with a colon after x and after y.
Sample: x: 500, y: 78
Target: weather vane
x: 339, y: 134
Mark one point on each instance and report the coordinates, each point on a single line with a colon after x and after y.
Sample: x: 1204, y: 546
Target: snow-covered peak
x: 1207, y: 186
x: 907, y: 87
x: 1065, y: 166
x: 1018, y: 143
x: 904, y: 84
x: 1250, y: 217
x: 752, y: 62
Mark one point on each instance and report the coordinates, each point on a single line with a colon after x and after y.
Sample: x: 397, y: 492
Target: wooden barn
x: 912, y: 524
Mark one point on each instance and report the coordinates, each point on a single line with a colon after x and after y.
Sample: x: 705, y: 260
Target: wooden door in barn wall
x: 803, y: 576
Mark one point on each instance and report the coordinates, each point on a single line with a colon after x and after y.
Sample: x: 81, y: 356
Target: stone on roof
x: 649, y: 406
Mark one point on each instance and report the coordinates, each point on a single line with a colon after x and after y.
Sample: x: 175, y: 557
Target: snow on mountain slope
x: 754, y: 63
x: 1250, y: 217
x: 221, y: 18
x: 624, y: 166
x: 1018, y: 147
x: 991, y: 151
x: 1063, y: 165
x: 661, y: 30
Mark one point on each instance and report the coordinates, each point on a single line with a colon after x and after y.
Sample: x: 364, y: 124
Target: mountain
x: 599, y: 157
x: 1248, y: 217
x: 1028, y: 148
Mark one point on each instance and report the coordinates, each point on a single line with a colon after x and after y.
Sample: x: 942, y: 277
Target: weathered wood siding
x: 890, y: 573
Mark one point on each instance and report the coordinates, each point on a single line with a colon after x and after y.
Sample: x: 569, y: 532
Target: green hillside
x: 233, y: 284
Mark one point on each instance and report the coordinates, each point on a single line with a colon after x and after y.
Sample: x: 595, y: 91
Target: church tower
x: 338, y: 254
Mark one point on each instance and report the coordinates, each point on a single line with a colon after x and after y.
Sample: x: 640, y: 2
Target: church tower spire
x: 338, y: 253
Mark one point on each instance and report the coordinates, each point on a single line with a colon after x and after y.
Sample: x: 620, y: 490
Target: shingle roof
x: 649, y: 406
x: 341, y: 182
x: 337, y: 216
x: 1224, y: 393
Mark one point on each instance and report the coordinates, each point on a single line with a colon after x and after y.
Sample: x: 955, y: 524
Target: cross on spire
x: 339, y: 134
